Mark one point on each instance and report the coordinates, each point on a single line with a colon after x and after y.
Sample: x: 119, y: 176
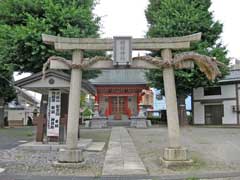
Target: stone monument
x: 139, y: 121
x: 98, y: 121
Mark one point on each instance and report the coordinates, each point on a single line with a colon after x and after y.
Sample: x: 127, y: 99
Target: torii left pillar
x: 72, y: 154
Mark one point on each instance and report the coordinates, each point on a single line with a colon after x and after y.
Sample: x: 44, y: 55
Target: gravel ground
x: 40, y: 163
x: 212, y: 149
x: 23, y: 162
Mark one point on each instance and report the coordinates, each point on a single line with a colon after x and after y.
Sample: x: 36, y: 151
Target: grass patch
x: 29, y: 134
x: 20, y: 132
x: 19, y: 157
x: 198, y: 164
x: 97, y: 135
x: 192, y: 178
x: 149, y: 141
x: 199, y: 140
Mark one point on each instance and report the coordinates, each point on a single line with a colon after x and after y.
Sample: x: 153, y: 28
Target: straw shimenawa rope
x: 85, y: 63
x: 207, y: 65
x: 53, y: 58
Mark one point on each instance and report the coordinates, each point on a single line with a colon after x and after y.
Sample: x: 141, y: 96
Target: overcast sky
x: 126, y: 17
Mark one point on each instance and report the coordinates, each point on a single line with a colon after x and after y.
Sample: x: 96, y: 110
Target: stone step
x: 125, y: 123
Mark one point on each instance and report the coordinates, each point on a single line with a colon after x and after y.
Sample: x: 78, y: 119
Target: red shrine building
x: 119, y: 93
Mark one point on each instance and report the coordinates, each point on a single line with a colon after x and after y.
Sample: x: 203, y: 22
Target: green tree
x: 23, y: 22
x: 7, y: 91
x: 169, y: 18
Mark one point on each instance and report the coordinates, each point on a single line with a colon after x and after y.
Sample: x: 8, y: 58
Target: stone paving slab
x: 96, y: 147
x: 122, y: 157
x: 2, y: 170
x: 38, y: 146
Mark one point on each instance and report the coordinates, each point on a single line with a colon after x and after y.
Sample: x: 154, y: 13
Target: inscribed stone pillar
x: 74, y: 102
x: 171, y: 101
x: 174, y: 154
x: 72, y: 154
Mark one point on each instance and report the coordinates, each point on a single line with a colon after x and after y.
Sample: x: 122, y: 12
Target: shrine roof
x: 35, y: 82
x: 120, y: 77
x: 233, y: 76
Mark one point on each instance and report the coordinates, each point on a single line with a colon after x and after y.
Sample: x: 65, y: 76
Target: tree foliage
x: 170, y: 18
x: 7, y: 91
x: 23, y: 22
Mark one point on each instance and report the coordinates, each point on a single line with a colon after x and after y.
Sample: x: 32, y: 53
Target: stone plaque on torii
x: 174, y: 153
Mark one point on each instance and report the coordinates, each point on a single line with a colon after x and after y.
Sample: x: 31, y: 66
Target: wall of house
x: 228, y: 91
x: 230, y: 117
x: 227, y: 98
x: 238, y: 93
x: 198, y: 113
x: 16, y: 117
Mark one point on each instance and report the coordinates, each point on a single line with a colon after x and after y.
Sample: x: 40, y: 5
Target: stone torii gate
x: 174, y: 153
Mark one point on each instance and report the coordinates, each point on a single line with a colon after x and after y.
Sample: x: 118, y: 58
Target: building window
x: 209, y: 91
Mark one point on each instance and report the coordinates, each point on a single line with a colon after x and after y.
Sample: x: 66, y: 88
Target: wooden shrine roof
x: 37, y: 84
x: 120, y: 77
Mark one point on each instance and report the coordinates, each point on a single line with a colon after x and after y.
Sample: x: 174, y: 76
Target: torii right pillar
x: 174, y: 154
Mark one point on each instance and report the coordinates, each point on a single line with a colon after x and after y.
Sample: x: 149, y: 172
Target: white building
x: 22, y: 108
x: 218, y: 105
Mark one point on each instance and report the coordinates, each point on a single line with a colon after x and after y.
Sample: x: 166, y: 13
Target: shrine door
x: 118, y: 105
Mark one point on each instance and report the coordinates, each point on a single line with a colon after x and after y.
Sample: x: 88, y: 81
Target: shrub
x: 87, y: 112
x: 157, y: 120
x: 29, y: 121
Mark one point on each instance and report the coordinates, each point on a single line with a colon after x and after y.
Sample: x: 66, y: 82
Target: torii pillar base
x: 175, y: 157
x: 70, y: 156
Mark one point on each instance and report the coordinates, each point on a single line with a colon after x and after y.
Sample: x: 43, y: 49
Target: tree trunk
x: 43, y: 105
x: 1, y: 112
x: 182, y: 110
x: 41, y: 124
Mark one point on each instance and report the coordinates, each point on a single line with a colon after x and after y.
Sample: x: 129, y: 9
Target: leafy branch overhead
x: 23, y: 22
x: 171, y: 18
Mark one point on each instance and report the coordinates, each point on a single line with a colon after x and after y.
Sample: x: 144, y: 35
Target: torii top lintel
x: 64, y: 44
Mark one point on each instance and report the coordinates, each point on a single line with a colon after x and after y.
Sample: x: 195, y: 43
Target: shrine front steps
x: 124, y: 123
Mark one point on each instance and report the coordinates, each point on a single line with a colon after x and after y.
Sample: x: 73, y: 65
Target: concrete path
x: 96, y: 147
x: 122, y: 157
